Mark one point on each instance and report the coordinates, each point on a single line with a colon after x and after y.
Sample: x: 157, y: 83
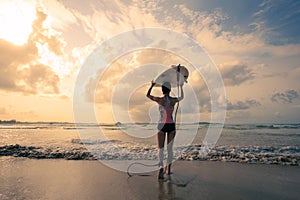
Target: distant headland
x: 12, y: 121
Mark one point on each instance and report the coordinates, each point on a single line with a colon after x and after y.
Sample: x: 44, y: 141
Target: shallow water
x: 250, y: 143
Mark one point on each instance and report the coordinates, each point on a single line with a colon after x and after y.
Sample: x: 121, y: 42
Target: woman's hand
x: 149, y: 92
x: 152, y: 83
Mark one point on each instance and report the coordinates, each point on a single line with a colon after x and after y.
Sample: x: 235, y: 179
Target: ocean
x: 244, y: 143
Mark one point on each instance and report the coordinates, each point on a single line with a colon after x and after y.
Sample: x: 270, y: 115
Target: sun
x: 16, y: 17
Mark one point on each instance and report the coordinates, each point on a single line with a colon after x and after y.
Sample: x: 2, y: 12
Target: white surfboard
x: 175, y: 75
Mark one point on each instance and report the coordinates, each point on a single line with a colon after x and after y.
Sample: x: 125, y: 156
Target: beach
x: 24, y: 178
x: 96, y: 97
x: 52, y: 161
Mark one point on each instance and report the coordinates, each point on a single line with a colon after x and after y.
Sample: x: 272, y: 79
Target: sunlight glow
x: 58, y: 64
x: 16, y: 19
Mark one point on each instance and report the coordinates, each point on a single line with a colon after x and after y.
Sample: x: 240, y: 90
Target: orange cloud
x: 236, y: 73
x: 20, y: 70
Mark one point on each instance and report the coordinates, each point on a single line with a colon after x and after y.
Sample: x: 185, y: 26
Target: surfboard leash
x: 139, y: 163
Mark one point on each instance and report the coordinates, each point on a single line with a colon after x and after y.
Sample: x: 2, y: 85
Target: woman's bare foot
x: 168, y: 169
x: 161, y: 174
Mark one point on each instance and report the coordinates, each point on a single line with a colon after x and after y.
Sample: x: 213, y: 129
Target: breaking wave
x: 285, y: 155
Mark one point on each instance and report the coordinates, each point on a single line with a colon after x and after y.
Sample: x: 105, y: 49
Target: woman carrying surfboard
x: 166, y: 124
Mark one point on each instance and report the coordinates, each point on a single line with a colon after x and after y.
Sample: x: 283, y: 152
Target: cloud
x: 125, y: 82
x: 139, y: 105
x: 127, y: 78
x: 127, y: 72
x: 285, y: 97
x: 44, y: 36
x: 101, y: 85
x: 39, y: 78
x: 61, y: 17
x: 102, y: 20
x: 208, y: 29
x: 20, y: 69
x: 236, y: 73
x: 242, y: 105
x: 161, y: 57
x: 279, y: 20
x: 101, y: 93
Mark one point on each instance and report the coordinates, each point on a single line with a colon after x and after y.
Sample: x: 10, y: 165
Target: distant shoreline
x: 13, y: 121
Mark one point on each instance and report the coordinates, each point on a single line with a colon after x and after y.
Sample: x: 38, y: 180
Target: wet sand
x: 23, y: 178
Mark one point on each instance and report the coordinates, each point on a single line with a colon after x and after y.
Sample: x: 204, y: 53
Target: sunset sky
x: 255, y: 44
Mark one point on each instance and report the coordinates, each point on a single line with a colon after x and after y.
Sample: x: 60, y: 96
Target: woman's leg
x: 161, y: 143
x: 170, y: 141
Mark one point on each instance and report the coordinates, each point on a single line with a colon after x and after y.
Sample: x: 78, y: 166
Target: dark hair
x: 166, y: 87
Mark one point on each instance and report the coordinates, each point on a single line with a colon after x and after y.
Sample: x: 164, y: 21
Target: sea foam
x: 286, y: 155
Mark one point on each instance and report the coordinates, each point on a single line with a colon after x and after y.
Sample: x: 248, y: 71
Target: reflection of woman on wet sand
x: 166, y: 125
x: 166, y: 191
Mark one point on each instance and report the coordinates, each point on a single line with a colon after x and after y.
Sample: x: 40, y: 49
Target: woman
x: 166, y: 125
